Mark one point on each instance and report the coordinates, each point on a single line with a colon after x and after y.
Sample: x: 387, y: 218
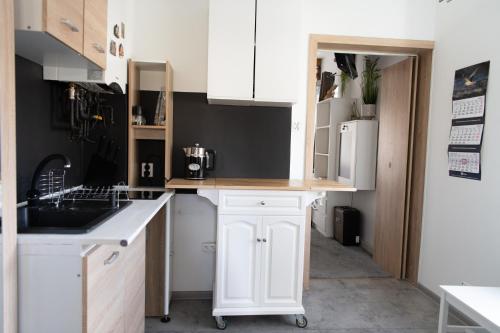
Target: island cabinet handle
x: 112, y: 258
x: 262, y: 203
x: 258, y: 240
x: 69, y: 24
x: 264, y: 240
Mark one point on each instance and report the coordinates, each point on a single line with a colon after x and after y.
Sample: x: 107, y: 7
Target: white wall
x: 174, y: 30
x: 177, y: 30
x: 460, y: 224
x: 382, y: 18
x: 194, y: 224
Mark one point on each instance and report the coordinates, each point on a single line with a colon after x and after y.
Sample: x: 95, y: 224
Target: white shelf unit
x: 329, y: 113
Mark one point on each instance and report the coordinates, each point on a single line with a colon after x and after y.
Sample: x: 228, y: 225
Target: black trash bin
x: 347, y: 221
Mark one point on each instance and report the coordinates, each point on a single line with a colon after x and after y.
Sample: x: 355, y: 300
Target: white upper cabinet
x: 231, y: 50
x: 276, y: 51
x: 252, y: 52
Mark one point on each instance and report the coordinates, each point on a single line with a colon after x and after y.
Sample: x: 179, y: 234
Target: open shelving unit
x: 329, y: 113
x: 153, y: 76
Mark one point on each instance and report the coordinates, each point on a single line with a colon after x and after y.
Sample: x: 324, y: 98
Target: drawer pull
x: 258, y: 240
x: 262, y: 203
x: 264, y: 240
x: 112, y: 258
x: 70, y: 25
x: 98, y: 48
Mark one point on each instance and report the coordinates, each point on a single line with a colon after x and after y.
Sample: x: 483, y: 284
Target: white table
x: 481, y: 304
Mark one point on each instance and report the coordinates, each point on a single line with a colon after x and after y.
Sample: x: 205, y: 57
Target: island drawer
x: 259, y: 202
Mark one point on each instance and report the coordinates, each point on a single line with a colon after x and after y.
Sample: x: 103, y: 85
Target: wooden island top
x: 259, y: 184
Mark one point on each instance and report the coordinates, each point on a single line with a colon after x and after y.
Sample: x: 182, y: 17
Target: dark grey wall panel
x: 251, y: 142
x: 42, y: 127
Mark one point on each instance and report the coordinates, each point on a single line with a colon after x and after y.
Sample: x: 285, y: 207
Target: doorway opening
x: 343, y: 235
x: 390, y: 208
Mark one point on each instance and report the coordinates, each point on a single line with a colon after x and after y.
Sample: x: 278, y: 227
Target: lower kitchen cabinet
x: 101, y: 289
x: 238, y: 261
x: 282, y: 260
x: 114, y: 288
x: 260, y: 254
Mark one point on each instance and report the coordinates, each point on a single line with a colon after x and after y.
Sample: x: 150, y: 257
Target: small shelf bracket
x: 212, y: 195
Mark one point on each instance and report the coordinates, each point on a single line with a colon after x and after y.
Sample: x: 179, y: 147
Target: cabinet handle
x: 264, y: 240
x: 262, y: 203
x: 258, y: 240
x: 98, y: 48
x: 112, y: 258
x: 70, y: 25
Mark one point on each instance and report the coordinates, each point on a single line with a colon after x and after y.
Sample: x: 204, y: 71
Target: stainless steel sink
x: 71, y: 217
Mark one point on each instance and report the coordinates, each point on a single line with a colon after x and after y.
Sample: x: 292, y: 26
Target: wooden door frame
x: 8, y: 167
x: 423, y: 49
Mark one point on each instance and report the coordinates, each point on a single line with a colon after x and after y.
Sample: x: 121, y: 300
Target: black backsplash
x: 42, y: 131
x: 251, y: 141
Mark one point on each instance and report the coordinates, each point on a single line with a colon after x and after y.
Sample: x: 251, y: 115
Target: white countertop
x: 121, y: 229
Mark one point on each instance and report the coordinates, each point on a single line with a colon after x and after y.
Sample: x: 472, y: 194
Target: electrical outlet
x: 147, y: 170
x: 208, y: 247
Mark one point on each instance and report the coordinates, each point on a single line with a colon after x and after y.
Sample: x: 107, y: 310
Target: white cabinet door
x: 238, y: 261
x: 231, y: 49
x: 283, y: 260
x: 276, y: 53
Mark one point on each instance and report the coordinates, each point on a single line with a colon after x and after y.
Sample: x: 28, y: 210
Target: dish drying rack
x: 52, y: 188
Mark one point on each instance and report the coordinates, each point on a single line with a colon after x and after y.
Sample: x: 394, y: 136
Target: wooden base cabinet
x: 260, y: 254
x: 100, y: 288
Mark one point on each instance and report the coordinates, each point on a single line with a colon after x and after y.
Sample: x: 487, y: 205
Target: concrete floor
x: 356, y: 302
x: 331, y: 260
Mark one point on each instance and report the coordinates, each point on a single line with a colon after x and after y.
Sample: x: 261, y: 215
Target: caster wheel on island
x: 220, y: 323
x: 165, y: 319
x: 301, y: 321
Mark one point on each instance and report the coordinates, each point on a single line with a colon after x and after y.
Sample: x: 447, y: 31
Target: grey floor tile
x: 360, y: 299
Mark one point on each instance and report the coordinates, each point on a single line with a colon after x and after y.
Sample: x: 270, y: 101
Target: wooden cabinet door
x: 238, y: 261
x: 231, y: 49
x: 394, y: 135
x: 276, y: 50
x: 103, y: 290
x: 135, y: 280
x: 64, y: 20
x: 95, y: 31
x: 282, y: 260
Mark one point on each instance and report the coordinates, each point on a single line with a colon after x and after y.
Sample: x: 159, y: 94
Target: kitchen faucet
x: 33, y: 194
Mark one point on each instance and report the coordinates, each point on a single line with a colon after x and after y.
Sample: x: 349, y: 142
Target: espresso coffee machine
x: 197, y: 161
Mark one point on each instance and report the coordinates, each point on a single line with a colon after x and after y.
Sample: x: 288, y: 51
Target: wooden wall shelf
x: 151, y: 127
x: 136, y: 71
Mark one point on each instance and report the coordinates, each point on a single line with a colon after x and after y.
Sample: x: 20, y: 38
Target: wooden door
x: 95, y: 28
x: 64, y: 21
x: 103, y: 290
x: 238, y: 261
x: 282, y: 260
x: 395, y: 105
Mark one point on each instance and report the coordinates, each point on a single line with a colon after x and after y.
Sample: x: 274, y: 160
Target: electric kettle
x: 197, y: 161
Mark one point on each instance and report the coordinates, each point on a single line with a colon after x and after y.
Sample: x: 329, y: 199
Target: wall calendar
x: 467, y: 121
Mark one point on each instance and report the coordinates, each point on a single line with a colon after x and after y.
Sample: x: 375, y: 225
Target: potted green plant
x: 369, y: 88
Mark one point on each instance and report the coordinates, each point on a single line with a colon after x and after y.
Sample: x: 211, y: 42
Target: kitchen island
x: 261, y: 242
